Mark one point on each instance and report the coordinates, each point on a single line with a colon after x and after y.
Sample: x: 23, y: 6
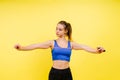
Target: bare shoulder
x: 72, y: 43
x: 75, y: 45
x: 51, y: 42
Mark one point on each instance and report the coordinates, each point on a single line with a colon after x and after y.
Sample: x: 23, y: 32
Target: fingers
x: 103, y: 50
x: 17, y: 46
x: 100, y: 49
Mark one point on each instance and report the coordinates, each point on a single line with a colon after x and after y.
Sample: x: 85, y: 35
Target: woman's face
x: 60, y: 30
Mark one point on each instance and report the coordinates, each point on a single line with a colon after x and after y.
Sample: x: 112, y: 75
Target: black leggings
x: 60, y: 74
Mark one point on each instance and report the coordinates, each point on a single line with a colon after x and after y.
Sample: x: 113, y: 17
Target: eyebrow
x: 59, y: 28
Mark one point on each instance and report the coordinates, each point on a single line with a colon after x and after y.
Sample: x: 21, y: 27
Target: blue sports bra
x: 59, y: 53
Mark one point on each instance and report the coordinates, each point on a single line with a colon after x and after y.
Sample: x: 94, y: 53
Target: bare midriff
x: 60, y: 64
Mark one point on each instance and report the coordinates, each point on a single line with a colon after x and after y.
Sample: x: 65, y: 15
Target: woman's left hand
x: 100, y: 49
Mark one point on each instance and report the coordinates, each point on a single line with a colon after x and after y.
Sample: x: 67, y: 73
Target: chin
x: 58, y: 35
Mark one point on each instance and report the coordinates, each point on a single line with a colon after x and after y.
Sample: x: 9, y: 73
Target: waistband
x: 60, y: 69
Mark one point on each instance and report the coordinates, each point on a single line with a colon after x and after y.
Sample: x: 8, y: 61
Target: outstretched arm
x: 77, y: 46
x: 44, y: 45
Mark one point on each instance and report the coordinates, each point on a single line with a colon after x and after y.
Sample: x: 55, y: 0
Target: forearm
x: 26, y: 48
x: 98, y: 50
x: 91, y: 50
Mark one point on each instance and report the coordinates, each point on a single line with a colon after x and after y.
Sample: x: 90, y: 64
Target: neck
x: 62, y: 38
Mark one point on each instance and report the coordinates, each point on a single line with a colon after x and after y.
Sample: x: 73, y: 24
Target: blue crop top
x: 59, y: 53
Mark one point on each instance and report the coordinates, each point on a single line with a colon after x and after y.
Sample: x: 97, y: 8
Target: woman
x: 61, y: 51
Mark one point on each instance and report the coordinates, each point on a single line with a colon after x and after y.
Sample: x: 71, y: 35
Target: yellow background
x: 94, y: 23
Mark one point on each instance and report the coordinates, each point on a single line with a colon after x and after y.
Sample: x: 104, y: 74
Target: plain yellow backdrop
x: 94, y: 23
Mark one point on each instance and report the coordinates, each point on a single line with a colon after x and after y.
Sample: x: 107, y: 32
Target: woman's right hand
x: 17, y: 46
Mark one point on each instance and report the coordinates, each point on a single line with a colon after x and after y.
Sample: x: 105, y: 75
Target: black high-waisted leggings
x: 60, y: 74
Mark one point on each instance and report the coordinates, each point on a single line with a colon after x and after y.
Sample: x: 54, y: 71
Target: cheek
x: 62, y: 32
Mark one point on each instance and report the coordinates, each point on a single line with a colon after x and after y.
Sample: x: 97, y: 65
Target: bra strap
x: 55, y: 43
x: 69, y: 46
